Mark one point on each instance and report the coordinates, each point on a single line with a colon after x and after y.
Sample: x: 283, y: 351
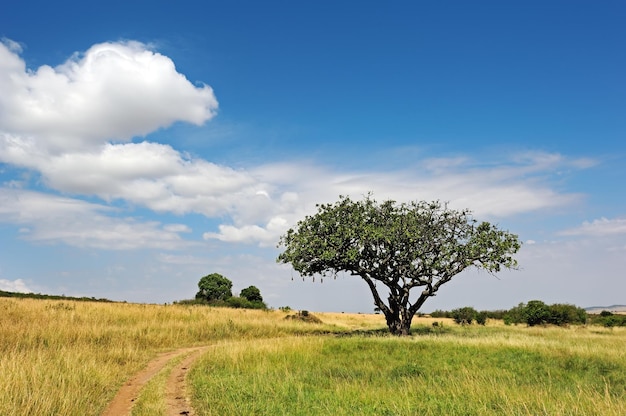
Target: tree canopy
x: 252, y: 293
x: 214, y: 287
x: 401, y: 246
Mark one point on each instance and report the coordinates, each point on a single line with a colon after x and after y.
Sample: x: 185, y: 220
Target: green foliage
x: 4, y: 294
x: 537, y: 312
x: 441, y: 314
x: 465, y: 315
x: 252, y: 293
x: 564, y: 314
x: 481, y: 317
x: 214, y: 287
x: 608, y: 319
x: 402, y: 246
x: 243, y: 303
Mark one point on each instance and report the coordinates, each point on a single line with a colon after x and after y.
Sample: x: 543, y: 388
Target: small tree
x: 402, y: 247
x: 214, y: 287
x: 536, y: 313
x: 464, y: 316
x: 481, y: 317
x: 252, y: 293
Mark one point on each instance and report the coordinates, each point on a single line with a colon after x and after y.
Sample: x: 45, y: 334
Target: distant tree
x: 565, y: 314
x: 252, y: 293
x: 481, y: 317
x: 464, y: 316
x: 401, y: 247
x: 214, y: 287
x: 536, y: 313
x: 441, y: 314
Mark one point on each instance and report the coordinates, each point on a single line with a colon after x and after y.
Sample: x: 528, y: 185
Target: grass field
x: 70, y: 358
x: 466, y: 371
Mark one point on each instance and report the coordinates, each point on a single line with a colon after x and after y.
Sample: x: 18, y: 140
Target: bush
x: 464, y: 316
x: 564, y: 314
x: 536, y: 313
x: 608, y: 319
x: 441, y: 314
x: 243, y: 303
x: 481, y: 318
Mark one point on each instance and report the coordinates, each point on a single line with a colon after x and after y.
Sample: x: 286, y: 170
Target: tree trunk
x: 399, y: 321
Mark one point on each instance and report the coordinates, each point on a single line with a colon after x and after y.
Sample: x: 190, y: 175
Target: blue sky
x: 145, y: 145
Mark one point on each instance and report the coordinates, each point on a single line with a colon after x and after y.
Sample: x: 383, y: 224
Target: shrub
x: 243, y: 303
x: 536, y: 313
x: 481, y: 318
x: 564, y: 314
x: 464, y: 316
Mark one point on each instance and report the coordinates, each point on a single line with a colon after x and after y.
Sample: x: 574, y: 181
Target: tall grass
x: 459, y: 371
x: 60, y: 357
x: 70, y: 358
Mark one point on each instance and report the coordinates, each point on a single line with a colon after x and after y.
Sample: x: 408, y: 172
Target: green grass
x: 70, y: 358
x: 151, y: 400
x: 469, y: 371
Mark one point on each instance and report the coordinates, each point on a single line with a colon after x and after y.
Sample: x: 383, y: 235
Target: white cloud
x: 495, y: 191
x: 67, y: 122
x: 265, y: 236
x: 114, y: 91
x: 182, y: 259
x: 177, y: 228
x: 49, y: 219
x: 148, y: 174
x: 599, y: 227
x: 17, y: 285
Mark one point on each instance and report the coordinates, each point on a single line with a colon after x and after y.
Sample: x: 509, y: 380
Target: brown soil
x: 176, y: 397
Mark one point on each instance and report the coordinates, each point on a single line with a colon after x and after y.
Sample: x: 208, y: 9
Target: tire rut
x: 177, y: 402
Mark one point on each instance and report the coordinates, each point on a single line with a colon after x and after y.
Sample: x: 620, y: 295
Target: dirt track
x: 176, y: 396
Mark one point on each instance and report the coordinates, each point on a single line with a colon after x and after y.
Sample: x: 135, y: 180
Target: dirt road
x: 177, y: 400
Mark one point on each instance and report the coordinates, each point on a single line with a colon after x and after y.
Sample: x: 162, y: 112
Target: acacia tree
x: 252, y: 293
x: 214, y: 287
x: 400, y: 246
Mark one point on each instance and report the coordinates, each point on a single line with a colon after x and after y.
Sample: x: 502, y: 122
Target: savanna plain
x: 70, y: 358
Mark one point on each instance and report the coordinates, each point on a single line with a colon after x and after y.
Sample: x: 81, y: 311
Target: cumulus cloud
x: 113, y: 91
x: 265, y: 236
x: 74, y: 124
x: 17, y: 285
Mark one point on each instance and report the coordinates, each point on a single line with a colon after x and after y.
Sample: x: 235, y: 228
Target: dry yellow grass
x: 69, y: 358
